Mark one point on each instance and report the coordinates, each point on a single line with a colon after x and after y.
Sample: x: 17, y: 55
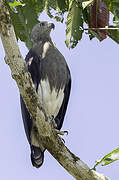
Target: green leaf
x: 112, y: 4
x: 109, y: 158
x: 62, y: 5
x: 74, y: 24
x: 116, y: 16
x: 86, y: 3
x: 49, y: 5
x: 53, y: 9
x: 16, y: 3
x: 114, y: 34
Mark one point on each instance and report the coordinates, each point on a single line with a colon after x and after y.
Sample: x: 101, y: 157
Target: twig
x: 106, y: 28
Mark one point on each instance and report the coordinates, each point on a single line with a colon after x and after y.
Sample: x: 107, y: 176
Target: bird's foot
x: 52, y: 120
x: 62, y: 133
x: 63, y: 140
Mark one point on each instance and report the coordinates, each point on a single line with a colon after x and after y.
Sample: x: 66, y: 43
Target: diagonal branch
x: 78, y: 169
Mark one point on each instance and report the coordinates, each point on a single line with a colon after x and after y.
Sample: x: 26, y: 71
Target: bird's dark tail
x: 37, y: 156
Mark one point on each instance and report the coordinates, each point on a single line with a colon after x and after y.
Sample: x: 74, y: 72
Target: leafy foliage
x: 25, y: 13
x: 23, y: 19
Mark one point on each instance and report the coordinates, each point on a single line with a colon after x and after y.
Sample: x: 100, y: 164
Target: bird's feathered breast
x: 52, y: 65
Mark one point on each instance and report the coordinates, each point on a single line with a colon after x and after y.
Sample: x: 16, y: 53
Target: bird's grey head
x: 41, y: 31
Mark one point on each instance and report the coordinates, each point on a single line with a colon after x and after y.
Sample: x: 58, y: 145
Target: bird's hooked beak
x: 51, y: 25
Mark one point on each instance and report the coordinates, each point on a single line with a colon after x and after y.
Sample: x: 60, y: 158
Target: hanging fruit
x: 99, y: 18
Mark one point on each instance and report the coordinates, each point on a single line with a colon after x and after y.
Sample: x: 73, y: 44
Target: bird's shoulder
x: 46, y: 50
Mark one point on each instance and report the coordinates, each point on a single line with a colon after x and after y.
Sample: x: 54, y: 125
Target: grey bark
x: 53, y: 143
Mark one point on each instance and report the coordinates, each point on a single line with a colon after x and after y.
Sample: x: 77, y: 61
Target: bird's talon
x: 66, y: 132
x: 61, y: 132
x: 63, y: 140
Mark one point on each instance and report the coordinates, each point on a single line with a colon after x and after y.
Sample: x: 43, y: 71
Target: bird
x: 52, y: 81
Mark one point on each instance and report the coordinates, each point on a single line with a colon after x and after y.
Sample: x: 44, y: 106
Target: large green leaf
x: 74, y: 24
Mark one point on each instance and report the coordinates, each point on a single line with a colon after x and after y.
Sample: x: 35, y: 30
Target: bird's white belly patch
x: 51, y: 100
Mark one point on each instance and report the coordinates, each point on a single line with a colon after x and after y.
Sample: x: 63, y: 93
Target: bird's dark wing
x: 60, y: 116
x: 26, y: 119
x: 33, y: 62
x: 33, y: 65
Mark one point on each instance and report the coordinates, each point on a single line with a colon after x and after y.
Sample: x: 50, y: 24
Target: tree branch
x: 53, y: 143
x: 105, y: 28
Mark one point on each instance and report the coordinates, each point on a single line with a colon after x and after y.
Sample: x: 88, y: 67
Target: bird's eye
x: 42, y: 24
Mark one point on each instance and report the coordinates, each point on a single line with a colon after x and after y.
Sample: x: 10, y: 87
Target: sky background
x: 92, y: 118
